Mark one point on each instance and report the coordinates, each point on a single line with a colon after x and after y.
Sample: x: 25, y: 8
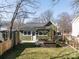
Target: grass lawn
x: 30, y: 51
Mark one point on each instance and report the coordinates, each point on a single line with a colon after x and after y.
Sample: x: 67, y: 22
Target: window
x: 42, y: 33
x: 33, y: 33
x: 36, y: 33
x: 45, y: 33
x: 4, y: 35
x: 22, y: 31
x: 1, y: 37
x: 27, y: 32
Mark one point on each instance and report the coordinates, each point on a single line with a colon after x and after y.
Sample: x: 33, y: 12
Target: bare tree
x: 20, y: 10
x: 44, y: 17
x: 64, y: 22
x: 0, y: 21
x: 18, y: 24
x: 76, y: 6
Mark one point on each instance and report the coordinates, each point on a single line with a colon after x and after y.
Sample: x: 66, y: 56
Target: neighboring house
x: 38, y: 31
x: 2, y: 29
x: 75, y: 27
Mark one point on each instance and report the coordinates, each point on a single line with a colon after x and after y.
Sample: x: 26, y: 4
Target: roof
x: 35, y: 24
x: 32, y: 25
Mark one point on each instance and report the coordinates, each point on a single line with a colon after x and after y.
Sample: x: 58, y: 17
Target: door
x: 34, y: 36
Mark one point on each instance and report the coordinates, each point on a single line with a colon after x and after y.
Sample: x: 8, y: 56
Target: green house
x: 38, y: 31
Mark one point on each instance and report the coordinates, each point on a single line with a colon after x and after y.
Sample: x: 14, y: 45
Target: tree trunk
x: 14, y: 17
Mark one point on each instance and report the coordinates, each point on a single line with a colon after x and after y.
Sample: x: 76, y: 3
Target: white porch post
x: 34, y: 35
x: 31, y: 36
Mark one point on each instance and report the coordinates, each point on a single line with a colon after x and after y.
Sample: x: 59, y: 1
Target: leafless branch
x: 5, y: 12
x: 6, y: 6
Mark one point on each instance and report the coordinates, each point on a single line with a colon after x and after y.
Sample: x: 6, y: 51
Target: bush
x: 58, y: 45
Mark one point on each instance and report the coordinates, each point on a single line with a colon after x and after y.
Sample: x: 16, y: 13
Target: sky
x: 61, y: 6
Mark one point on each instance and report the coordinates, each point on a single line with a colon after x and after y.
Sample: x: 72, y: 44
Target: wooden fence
x: 72, y: 41
x: 6, y: 45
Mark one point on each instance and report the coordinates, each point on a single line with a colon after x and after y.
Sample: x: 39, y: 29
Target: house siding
x: 25, y: 37
x: 75, y: 28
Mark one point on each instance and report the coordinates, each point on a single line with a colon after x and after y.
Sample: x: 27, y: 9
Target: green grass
x: 30, y: 51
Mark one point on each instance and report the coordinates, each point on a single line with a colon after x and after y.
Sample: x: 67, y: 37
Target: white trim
x: 31, y: 35
x: 55, y: 24
x: 34, y: 36
x: 26, y: 35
